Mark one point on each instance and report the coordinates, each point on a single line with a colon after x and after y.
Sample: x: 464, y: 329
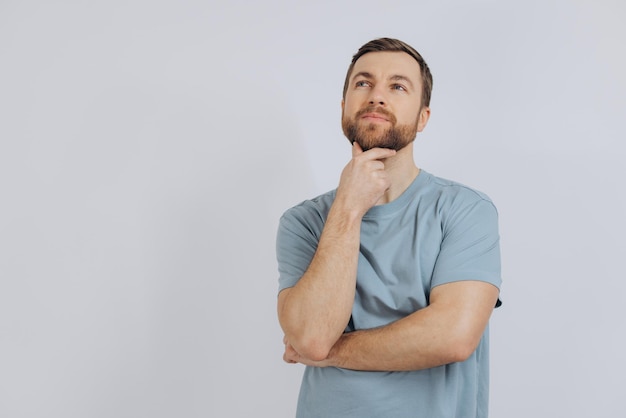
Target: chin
x: 368, y: 137
x: 388, y: 143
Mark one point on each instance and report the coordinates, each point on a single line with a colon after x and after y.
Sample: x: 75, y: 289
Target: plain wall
x: 148, y: 148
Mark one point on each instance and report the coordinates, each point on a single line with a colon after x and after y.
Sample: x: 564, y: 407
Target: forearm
x: 413, y: 343
x: 401, y: 346
x: 315, y: 312
x: 446, y: 331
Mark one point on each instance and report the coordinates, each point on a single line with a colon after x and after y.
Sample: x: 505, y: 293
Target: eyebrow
x: 401, y: 78
x: 396, y: 77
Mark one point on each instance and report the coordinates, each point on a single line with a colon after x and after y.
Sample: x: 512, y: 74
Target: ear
x: 422, y: 119
x: 343, y: 104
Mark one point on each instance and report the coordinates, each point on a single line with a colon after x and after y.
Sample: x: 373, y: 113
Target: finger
x: 289, y: 356
x: 376, y: 165
x: 356, y: 149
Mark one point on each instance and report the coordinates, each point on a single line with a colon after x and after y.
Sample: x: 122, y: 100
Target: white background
x: 148, y: 148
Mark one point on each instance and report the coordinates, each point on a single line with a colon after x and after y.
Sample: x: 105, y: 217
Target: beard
x: 372, y: 135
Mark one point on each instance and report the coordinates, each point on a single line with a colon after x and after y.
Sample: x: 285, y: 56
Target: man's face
x: 382, y: 103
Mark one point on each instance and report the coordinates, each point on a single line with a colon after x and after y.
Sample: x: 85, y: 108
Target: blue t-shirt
x: 436, y: 232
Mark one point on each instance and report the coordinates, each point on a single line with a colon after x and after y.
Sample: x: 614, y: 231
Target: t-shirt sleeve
x: 470, y: 247
x: 296, y: 243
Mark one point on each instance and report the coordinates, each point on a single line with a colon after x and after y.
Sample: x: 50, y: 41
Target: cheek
x: 406, y: 119
x: 349, y: 108
x: 352, y: 104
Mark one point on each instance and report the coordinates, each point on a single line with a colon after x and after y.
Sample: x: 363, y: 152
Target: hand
x: 364, y: 180
x: 290, y: 355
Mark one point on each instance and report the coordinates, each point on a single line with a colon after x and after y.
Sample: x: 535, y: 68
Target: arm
x: 446, y: 331
x: 314, y: 313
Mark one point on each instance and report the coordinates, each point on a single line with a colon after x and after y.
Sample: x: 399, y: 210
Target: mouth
x: 374, y: 117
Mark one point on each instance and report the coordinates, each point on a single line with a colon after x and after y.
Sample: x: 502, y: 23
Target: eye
x: 361, y: 83
x: 398, y: 87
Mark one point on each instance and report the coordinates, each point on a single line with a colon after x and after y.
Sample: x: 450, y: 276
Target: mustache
x: 379, y: 110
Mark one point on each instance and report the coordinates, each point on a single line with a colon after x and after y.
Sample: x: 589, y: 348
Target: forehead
x: 385, y: 64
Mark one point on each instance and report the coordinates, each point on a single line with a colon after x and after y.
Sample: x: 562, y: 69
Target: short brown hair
x: 395, y: 45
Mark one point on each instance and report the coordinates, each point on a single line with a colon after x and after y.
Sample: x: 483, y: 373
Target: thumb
x: 356, y: 149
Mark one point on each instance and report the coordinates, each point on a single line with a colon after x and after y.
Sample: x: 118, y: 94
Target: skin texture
x: 314, y: 313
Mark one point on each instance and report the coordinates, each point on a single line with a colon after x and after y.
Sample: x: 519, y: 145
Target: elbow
x: 461, y: 349
x: 310, y: 344
x: 458, y: 344
x: 312, y: 348
x: 308, y: 338
x: 461, y: 353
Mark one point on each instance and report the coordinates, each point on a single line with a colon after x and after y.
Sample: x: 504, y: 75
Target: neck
x: 402, y: 171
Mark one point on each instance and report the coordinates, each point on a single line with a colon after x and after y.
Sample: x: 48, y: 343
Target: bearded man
x: 387, y: 283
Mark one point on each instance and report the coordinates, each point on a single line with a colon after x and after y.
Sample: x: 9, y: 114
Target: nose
x: 377, y: 97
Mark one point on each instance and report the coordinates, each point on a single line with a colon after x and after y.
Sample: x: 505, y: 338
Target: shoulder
x: 457, y: 205
x: 454, y: 194
x: 310, y: 212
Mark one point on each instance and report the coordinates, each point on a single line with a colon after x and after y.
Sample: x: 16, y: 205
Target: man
x: 387, y: 283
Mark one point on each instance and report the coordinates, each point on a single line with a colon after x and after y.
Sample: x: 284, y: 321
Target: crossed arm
x: 446, y: 331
